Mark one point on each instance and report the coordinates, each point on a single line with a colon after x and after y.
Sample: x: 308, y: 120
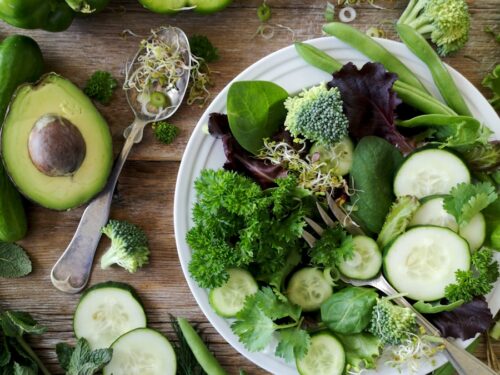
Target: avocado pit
x: 56, y: 146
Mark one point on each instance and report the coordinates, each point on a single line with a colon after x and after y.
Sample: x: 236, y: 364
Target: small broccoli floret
x: 129, y: 246
x: 445, y: 22
x: 165, y: 132
x: 317, y: 115
x: 100, y: 86
x: 392, y: 324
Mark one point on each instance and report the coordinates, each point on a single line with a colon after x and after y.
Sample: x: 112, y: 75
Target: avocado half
x: 56, y: 146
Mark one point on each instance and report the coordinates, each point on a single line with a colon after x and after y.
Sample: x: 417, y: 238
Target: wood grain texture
x: 146, y: 188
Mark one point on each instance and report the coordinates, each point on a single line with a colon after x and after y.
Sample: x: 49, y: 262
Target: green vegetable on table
x: 440, y: 74
x: 492, y: 81
x: 100, y: 86
x: 202, y: 48
x: 82, y: 360
x: 129, y: 246
x: 14, y: 262
x: 373, y: 50
x: 317, y: 115
x: 264, y: 12
x: 445, y: 22
x: 50, y: 15
x: 398, y: 219
x: 165, y: 132
x: 16, y: 355
x: 174, y: 6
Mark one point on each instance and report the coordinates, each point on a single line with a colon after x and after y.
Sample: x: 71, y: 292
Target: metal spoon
x: 71, y: 272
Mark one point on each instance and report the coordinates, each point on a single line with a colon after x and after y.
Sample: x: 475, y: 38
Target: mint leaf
x: 14, y: 262
x: 16, y: 323
x: 294, y: 344
x: 467, y: 200
x: 85, y: 361
x: 64, y: 353
x: 23, y: 370
x: 275, y: 308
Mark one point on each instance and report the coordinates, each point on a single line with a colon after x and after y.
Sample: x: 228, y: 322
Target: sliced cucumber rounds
x: 228, y: 299
x: 366, y: 261
x: 325, y: 356
x: 336, y: 158
x: 430, y: 172
x: 432, y: 212
x: 474, y: 231
x: 105, y: 312
x: 423, y: 261
x: 309, y: 288
x: 142, y: 351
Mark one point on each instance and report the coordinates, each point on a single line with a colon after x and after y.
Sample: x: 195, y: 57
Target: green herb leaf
x: 17, y: 323
x: 467, y: 200
x: 64, y: 353
x: 275, y: 308
x: 492, y: 81
x: 4, y: 352
x: 85, y: 361
x: 100, y: 86
x: 436, y: 307
x: 293, y: 345
x: 202, y: 47
x: 334, y: 247
x: 361, y: 351
x: 23, y: 370
x: 14, y: 262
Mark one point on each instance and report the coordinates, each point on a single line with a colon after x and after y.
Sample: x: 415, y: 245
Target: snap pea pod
x: 373, y: 50
x: 409, y: 94
x: 417, y: 44
x: 440, y: 120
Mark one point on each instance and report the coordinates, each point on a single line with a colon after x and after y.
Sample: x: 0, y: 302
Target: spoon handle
x: 71, y: 272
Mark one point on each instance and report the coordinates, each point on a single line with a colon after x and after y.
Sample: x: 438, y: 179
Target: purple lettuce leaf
x: 370, y: 103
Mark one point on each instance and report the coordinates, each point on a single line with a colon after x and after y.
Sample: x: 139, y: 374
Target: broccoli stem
x: 108, y: 259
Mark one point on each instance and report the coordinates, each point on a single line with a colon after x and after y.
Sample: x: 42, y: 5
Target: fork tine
x: 310, y: 239
x: 315, y: 226
x: 326, y: 218
x: 344, y: 219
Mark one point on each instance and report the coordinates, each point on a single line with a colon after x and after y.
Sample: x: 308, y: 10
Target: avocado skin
x: 59, y: 193
x: 20, y: 61
x: 173, y: 6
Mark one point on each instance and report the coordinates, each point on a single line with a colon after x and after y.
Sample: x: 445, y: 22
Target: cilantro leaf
x: 275, y: 308
x: 294, y: 344
x: 85, y: 361
x: 466, y: 200
x: 477, y: 281
x: 334, y: 246
x: 14, y: 262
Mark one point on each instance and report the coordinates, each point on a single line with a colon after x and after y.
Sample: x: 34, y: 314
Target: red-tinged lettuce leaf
x: 465, y: 321
x: 240, y: 160
x: 370, y: 103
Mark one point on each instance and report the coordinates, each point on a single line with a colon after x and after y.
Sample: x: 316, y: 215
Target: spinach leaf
x: 436, y: 307
x: 361, y: 350
x: 374, y: 165
x: 255, y: 111
x: 349, y: 310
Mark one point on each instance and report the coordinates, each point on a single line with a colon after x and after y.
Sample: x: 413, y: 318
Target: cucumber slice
x: 366, y: 261
x: 309, y: 288
x: 142, y: 351
x: 105, y: 312
x: 433, y: 213
x: 430, y: 172
x: 423, y: 261
x: 326, y: 356
x: 474, y: 231
x: 228, y: 299
x: 336, y: 157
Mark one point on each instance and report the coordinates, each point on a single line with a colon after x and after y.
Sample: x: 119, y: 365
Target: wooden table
x: 146, y: 187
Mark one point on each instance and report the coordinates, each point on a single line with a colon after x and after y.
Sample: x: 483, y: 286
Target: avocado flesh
x: 56, y: 95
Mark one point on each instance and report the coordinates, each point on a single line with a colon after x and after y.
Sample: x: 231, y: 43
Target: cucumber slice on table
x: 325, y: 356
x: 366, y: 261
x: 142, y: 351
x: 430, y: 172
x: 309, y: 288
x: 105, y: 312
x: 228, y: 299
x: 422, y: 261
x: 432, y: 212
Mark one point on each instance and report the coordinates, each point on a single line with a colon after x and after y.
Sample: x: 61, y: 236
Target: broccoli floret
x: 392, y: 324
x: 129, y: 246
x: 100, y: 86
x: 445, y: 22
x: 165, y: 132
x: 317, y: 115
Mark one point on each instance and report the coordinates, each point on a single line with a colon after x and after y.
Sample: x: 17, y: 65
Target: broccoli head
x: 316, y: 114
x: 445, y: 22
x: 392, y: 324
x: 100, y: 86
x: 129, y: 246
x: 165, y: 132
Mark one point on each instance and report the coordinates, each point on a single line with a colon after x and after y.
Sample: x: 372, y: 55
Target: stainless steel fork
x: 463, y: 362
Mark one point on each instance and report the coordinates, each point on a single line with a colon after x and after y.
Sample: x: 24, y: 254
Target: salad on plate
x: 413, y: 184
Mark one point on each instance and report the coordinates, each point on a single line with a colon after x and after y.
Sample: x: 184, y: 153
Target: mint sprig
x: 14, y: 262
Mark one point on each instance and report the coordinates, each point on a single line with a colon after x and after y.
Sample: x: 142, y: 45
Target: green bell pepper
x: 50, y: 15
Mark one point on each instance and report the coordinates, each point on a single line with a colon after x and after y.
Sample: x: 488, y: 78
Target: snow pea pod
x: 409, y: 94
x: 376, y: 52
x: 441, y: 76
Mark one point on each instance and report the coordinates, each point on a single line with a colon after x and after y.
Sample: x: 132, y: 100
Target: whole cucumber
x: 20, y: 61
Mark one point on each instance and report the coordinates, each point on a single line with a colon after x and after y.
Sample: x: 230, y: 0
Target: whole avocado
x: 20, y: 61
x: 50, y: 15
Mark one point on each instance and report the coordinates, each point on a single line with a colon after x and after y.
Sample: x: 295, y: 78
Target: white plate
x: 288, y: 70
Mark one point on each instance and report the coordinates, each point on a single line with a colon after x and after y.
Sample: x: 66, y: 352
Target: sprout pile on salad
x: 422, y: 199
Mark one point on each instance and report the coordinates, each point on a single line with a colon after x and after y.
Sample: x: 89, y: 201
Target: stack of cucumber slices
x: 111, y: 315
